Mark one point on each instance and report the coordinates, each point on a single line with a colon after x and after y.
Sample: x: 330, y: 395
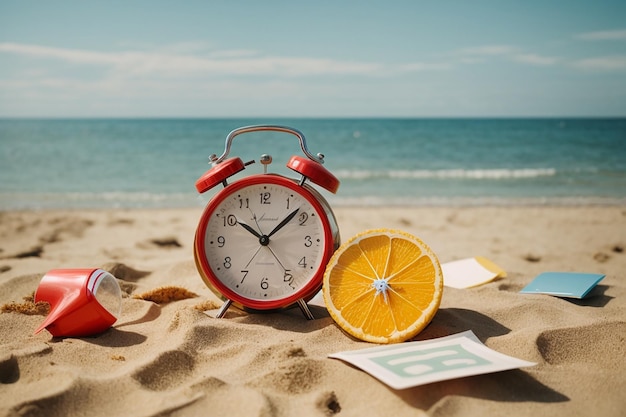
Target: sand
x: 175, y: 359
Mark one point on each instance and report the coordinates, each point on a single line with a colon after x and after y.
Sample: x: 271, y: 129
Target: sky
x: 321, y: 58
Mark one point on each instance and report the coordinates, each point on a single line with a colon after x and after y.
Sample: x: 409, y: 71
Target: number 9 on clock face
x: 264, y: 242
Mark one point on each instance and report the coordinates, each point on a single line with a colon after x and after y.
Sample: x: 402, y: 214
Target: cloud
x: 70, y: 55
x: 534, y: 59
x: 199, y: 60
x: 173, y: 63
x: 605, y: 63
x: 487, y: 50
x: 509, y: 52
x: 512, y: 53
x: 424, y: 66
x: 605, y: 35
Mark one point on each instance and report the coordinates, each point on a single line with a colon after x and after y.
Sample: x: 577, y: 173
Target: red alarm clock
x: 263, y: 241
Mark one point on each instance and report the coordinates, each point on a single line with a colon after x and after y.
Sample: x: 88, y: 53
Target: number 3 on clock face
x: 264, y: 242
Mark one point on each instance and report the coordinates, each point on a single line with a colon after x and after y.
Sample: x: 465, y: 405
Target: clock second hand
x: 253, y: 256
x: 276, y: 257
x: 255, y: 221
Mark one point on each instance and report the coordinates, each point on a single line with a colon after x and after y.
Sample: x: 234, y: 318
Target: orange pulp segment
x: 383, y: 286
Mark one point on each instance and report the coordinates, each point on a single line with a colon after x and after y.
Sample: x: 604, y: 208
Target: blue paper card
x: 563, y: 284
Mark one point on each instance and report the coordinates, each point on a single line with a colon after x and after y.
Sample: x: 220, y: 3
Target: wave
x: 372, y: 201
x: 449, y: 174
x: 107, y: 199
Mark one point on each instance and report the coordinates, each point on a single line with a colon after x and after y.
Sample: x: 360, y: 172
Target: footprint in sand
x: 167, y: 242
x: 121, y: 222
x: 9, y: 370
x: 583, y: 344
x: 123, y: 271
x: 55, y: 230
x: 166, y: 371
x: 329, y: 404
x: 601, y: 257
x: 532, y: 257
x: 126, y: 276
x: 33, y: 252
x: 295, y: 373
x: 73, y: 227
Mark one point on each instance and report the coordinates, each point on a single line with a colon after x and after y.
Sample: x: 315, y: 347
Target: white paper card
x: 318, y: 300
x: 411, y: 364
x: 470, y: 272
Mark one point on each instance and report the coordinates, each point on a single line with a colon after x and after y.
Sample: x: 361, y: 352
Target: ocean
x: 126, y: 163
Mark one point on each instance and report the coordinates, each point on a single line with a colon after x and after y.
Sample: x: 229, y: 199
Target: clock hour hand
x: 249, y: 229
x: 284, y: 222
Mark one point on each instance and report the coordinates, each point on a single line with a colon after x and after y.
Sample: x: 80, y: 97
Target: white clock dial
x: 265, y: 241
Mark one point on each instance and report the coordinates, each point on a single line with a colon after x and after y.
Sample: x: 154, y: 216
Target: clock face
x: 265, y: 242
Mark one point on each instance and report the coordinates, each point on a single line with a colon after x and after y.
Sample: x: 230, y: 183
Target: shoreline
x: 426, y: 203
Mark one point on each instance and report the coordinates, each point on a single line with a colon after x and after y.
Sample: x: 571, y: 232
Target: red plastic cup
x: 83, y: 302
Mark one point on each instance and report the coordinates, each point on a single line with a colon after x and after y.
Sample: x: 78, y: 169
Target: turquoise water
x: 155, y: 162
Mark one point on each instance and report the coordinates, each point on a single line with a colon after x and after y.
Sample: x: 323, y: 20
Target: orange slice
x: 383, y: 286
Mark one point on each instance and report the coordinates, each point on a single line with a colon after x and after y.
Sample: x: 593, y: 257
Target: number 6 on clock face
x: 264, y: 242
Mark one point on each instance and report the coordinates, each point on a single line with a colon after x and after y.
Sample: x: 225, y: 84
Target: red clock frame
x: 308, y: 290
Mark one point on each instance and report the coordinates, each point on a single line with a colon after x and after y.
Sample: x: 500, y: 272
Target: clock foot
x: 223, y: 309
x: 305, y: 309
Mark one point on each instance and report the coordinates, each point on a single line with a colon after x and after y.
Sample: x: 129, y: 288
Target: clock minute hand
x: 284, y: 222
